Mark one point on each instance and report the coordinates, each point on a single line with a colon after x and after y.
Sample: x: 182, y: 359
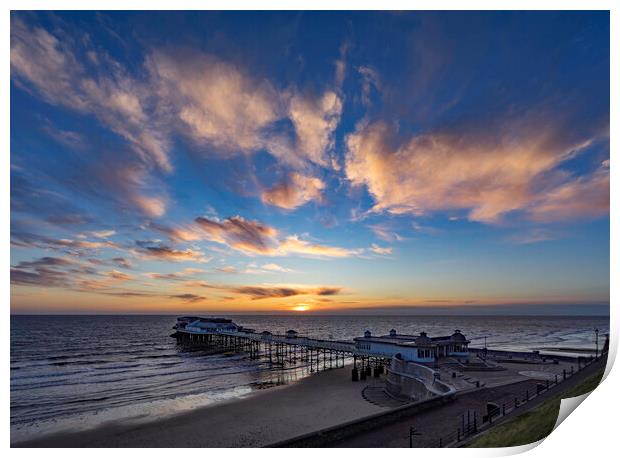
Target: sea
x: 79, y: 372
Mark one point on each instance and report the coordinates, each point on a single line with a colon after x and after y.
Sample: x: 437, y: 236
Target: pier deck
x: 279, y: 348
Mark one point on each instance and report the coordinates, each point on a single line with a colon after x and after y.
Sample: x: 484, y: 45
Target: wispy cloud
x: 380, y: 250
x: 385, y: 232
x: 118, y: 275
x: 188, y: 297
x: 26, y: 239
x: 294, y: 192
x: 122, y: 262
x: 239, y: 233
x: 224, y: 105
x: 41, y: 276
x: 49, y: 63
x: 276, y: 267
x: 583, y: 197
x: 163, y: 252
x: 183, y: 275
x: 533, y: 235
x: 227, y: 270
x: 274, y: 292
x: 294, y: 245
x: 489, y: 176
x: 102, y: 234
x: 255, y: 238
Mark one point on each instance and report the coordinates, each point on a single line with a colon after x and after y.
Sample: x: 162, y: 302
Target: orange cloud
x: 185, y: 274
x: 239, y: 233
x: 150, y: 206
x: 117, y: 275
x: 183, y: 233
x: 294, y: 245
x: 224, y: 105
x: 255, y: 238
x: 584, y: 197
x: 294, y: 192
x: 315, y: 121
x: 216, y: 100
x: 274, y: 292
x: 488, y: 176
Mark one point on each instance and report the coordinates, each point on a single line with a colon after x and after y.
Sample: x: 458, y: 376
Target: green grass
x: 534, y: 425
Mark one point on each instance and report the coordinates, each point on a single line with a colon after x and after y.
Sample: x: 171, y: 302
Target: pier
x: 280, y: 349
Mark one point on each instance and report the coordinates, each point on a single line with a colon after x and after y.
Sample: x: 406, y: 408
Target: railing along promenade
x: 472, y: 423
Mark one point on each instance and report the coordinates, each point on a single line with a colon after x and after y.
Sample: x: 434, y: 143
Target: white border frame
x: 589, y: 431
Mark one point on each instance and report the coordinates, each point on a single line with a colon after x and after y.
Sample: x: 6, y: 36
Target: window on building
x: 424, y: 353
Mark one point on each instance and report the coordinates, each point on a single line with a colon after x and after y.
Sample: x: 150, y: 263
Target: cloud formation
x: 118, y: 275
x: 315, y: 121
x: 188, y: 297
x: 185, y: 274
x: 294, y: 245
x: 275, y: 292
x: 223, y: 105
x: 294, y: 192
x: 380, y: 250
x: 583, y: 197
x: 214, y: 102
x: 163, y: 252
x: 488, y: 176
x: 30, y: 240
x: 50, y: 64
x: 275, y: 267
x: 41, y: 276
x: 239, y: 233
x: 255, y: 238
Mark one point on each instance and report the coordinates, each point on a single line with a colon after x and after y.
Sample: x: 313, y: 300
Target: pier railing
x: 310, y: 342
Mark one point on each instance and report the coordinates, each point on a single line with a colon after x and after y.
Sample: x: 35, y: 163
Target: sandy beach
x: 322, y: 400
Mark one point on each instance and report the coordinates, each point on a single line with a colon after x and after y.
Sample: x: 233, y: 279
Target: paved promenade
x: 443, y: 421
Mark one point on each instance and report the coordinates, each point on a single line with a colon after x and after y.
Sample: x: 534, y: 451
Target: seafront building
x: 418, y: 348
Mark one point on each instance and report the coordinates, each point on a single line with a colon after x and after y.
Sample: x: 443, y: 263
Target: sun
x: 300, y: 308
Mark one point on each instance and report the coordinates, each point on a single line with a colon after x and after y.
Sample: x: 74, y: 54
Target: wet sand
x: 320, y: 401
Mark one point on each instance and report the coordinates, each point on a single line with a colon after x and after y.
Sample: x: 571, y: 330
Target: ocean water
x: 75, y: 372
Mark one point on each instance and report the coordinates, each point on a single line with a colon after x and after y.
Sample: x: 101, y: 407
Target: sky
x: 307, y: 162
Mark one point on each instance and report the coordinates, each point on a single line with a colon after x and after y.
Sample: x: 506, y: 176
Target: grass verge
x: 534, y: 425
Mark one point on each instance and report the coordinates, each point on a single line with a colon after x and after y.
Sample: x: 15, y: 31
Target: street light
x: 412, y: 433
x: 596, y: 354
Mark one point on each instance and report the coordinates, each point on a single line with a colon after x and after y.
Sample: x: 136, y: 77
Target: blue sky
x: 310, y: 162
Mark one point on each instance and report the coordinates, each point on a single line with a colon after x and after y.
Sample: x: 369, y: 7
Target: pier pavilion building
x: 201, y: 325
x: 417, y: 348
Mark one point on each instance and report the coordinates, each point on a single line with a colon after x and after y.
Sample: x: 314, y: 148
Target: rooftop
x: 413, y: 340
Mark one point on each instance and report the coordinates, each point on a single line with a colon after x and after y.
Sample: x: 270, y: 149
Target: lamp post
x: 412, y: 433
x: 596, y: 354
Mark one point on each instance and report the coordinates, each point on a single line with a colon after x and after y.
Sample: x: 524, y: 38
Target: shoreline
x: 275, y: 414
